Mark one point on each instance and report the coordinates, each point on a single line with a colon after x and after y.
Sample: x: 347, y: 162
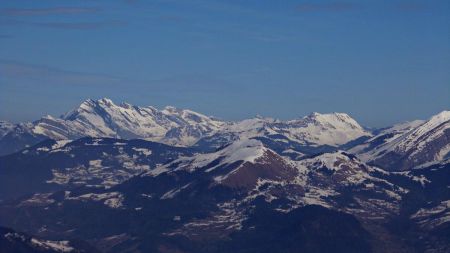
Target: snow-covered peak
x: 423, y: 133
x: 183, y: 127
x: 341, y: 168
x: 190, y: 126
x: 86, y: 106
x: 246, y: 125
x: 126, y: 105
x: 106, y: 101
x: 333, y: 161
x: 333, y: 119
x: 412, y: 144
x: 386, y: 135
x: 170, y: 109
x: 103, y: 101
x: 104, y: 118
x: 239, y: 151
x: 190, y: 116
x: 436, y: 120
x: 96, y: 106
x: 247, y: 150
x: 403, y: 127
x: 332, y: 129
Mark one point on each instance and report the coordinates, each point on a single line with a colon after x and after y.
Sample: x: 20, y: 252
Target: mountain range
x: 178, y: 127
x: 123, y: 178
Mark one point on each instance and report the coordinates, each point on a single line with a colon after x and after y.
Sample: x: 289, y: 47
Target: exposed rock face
x: 269, y: 167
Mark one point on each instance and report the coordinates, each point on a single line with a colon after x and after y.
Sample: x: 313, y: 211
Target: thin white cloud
x: 46, y: 11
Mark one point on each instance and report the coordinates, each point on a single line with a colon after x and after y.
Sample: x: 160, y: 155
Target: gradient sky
x: 380, y: 61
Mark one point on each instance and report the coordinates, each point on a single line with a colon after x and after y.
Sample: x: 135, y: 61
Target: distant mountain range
x: 178, y: 127
x: 122, y: 178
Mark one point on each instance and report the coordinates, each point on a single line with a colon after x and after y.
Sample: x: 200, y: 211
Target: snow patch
x: 111, y: 199
x: 59, y: 246
x: 143, y: 151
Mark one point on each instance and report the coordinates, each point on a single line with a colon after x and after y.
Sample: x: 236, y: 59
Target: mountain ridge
x: 410, y: 144
x: 179, y: 127
x: 178, y: 197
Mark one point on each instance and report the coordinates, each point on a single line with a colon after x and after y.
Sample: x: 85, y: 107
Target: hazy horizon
x: 225, y: 119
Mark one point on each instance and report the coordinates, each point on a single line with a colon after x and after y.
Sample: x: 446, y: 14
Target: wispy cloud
x: 66, y: 25
x: 46, y: 11
x: 326, y: 7
x: 30, y: 73
x: 311, y: 7
x: 72, y: 25
x: 80, y: 25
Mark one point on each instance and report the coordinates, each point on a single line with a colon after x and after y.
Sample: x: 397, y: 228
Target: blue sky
x: 380, y: 61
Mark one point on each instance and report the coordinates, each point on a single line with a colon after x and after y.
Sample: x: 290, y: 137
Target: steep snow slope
x: 239, y: 151
x: 429, y: 131
x: 385, y: 136
x: 409, y: 145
